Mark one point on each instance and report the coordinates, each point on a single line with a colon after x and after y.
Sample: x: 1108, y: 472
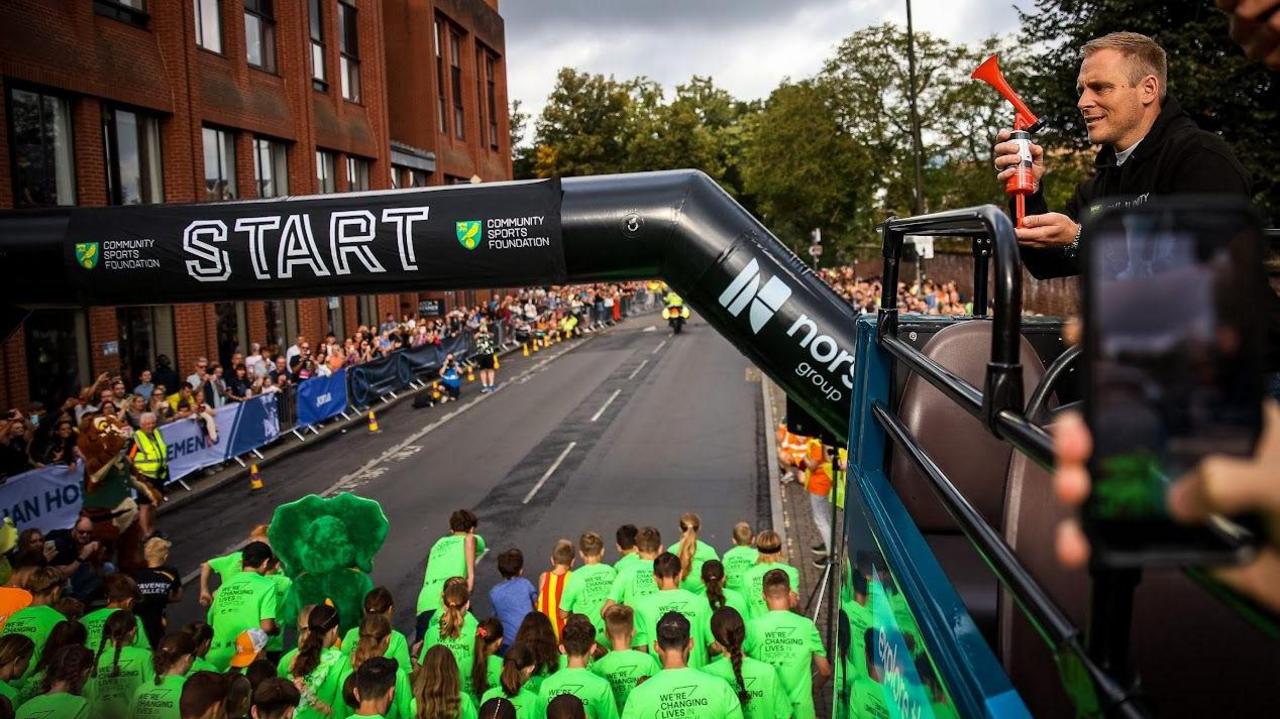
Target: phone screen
x: 1173, y: 353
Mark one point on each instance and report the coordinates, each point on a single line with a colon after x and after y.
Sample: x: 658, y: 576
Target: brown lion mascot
x: 108, y: 478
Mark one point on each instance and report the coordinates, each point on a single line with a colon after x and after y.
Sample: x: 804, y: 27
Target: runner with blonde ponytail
x: 454, y: 628
x: 692, y: 553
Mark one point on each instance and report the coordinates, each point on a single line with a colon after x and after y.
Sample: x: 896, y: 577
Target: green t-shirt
x: 594, y: 691
x: 525, y: 701
x: 633, y: 582
x: 734, y: 600
x: 110, y: 692
x: 200, y: 664
x: 10, y: 692
x: 694, y: 607
x: 94, y: 622
x: 448, y: 558
x: 586, y: 591
x: 736, y: 563
x: 58, y: 705
x: 397, y: 647
x: 683, y: 694
x: 152, y: 701
x: 282, y: 666
x: 322, y: 687
x: 227, y: 566
x: 493, y: 673
x: 34, y: 623
x: 623, y: 670
x: 702, y: 553
x: 625, y: 561
x: 788, y: 641
x: 868, y: 699
x: 403, y: 705
x: 768, y: 699
x: 753, y: 585
x: 242, y: 603
x: 462, y: 646
x: 275, y: 642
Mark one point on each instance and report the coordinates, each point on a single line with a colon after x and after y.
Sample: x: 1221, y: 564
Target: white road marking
x: 606, y: 404
x: 650, y: 328
x: 636, y: 371
x: 550, y: 470
x: 661, y: 344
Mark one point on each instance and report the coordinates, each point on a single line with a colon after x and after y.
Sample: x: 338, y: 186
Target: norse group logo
x: 745, y: 289
x: 468, y: 233
x: 87, y: 254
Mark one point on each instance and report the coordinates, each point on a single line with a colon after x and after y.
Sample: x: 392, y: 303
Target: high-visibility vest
x: 842, y: 475
x: 149, y: 452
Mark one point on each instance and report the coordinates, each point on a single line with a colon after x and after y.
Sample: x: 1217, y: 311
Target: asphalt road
x: 628, y: 425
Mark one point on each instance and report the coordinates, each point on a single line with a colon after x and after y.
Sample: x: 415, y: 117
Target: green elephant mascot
x: 327, y: 546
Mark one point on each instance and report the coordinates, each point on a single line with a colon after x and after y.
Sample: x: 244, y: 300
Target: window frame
x: 442, y: 91
x: 150, y: 166
x: 349, y: 51
x: 226, y: 150
x: 69, y: 145
x: 123, y: 11
x: 277, y: 155
x: 315, y: 28
x: 455, y: 82
x: 491, y: 96
x: 361, y: 167
x: 197, y: 6
x: 264, y: 12
x: 331, y: 176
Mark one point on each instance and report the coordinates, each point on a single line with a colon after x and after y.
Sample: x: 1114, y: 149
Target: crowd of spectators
x: 865, y: 294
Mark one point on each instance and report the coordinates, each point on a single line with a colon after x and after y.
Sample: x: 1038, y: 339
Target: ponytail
x: 713, y: 578
x: 374, y: 631
x: 453, y: 610
x: 322, y: 620
x: 172, y: 648
x: 690, y: 523
x: 519, y: 657
x: 730, y: 633
x: 116, y: 631
x: 489, y: 632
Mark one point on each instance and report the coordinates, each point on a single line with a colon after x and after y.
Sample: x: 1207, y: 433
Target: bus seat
x: 975, y: 461
x: 1195, y: 657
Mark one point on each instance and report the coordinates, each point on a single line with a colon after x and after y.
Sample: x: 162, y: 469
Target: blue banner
x: 46, y: 499
x: 241, y: 428
x: 320, y: 398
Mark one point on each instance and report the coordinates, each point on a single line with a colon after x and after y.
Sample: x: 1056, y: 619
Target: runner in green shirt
x: 588, y: 587
x: 671, y: 598
x: 677, y: 691
x: 122, y: 594
x: 717, y: 594
x: 319, y: 666
x: 741, y: 557
x: 171, y: 661
x: 375, y: 687
x: 513, y: 684
x: 15, y: 658
x: 636, y: 579
x: 375, y: 636
x: 227, y: 565
x: 119, y: 670
x: 757, y: 684
x: 246, y: 601
x: 484, y: 672
x: 623, y: 667
x: 39, y: 618
x: 769, y: 545
x: 202, y: 636
x: 68, y: 671
x: 626, y: 545
x: 454, y: 628
x: 379, y: 601
x: 692, y: 553
x: 790, y: 642
x: 578, y: 639
x: 451, y: 556
x: 437, y: 685
x: 275, y: 698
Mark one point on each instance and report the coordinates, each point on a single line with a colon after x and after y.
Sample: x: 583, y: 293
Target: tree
x: 522, y: 153
x: 582, y: 128
x: 1208, y: 75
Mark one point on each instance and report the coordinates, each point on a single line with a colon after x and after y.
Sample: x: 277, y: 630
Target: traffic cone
x: 471, y: 374
x: 373, y: 423
x: 435, y: 392
x: 525, y: 351
x: 535, y: 344
x: 496, y: 364
x: 255, y: 479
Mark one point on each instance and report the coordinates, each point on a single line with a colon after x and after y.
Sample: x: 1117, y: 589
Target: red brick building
x: 146, y: 101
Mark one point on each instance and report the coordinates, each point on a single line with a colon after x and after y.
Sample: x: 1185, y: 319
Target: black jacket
x: 1176, y: 157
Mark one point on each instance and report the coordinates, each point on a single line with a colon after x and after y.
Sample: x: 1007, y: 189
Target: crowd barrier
x: 242, y: 428
x: 46, y: 499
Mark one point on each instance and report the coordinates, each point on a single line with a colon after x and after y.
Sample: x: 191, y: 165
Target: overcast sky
x: 747, y: 46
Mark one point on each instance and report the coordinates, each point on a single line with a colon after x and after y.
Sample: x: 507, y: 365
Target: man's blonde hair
x: 1145, y: 56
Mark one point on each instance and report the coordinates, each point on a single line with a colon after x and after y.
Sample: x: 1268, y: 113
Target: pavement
x: 630, y: 424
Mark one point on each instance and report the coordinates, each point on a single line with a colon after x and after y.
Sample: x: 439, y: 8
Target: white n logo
x: 746, y: 287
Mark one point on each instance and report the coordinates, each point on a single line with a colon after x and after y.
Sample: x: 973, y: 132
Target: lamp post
x: 917, y: 206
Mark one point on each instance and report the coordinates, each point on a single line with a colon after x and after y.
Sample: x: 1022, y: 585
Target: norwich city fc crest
x: 468, y: 233
x: 87, y: 254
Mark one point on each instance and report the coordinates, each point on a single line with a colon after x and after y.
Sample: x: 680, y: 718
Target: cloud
x: 747, y: 46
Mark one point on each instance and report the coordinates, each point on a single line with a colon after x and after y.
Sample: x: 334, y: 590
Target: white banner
x: 46, y: 499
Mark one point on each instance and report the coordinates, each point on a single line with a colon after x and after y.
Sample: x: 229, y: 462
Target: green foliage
x: 1208, y: 75
x: 521, y: 152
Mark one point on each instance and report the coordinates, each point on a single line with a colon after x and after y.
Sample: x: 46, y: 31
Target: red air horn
x: 1025, y: 123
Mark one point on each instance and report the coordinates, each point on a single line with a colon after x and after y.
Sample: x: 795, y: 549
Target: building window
x: 318, y: 77
x: 40, y: 140
x: 349, y: 47
x: 270, y: 167
x: 145, y: 334
x: 441, y: 90
x: 260, y: 34
x: 324, y: 172
x: 357, y: 174
x: 334, y: 315
x: 209, y: 24
x: 367, y: 311
x: 219, y: 165
x: 133, y: 12
x: 57, y: 343
x: 132, y: 141
x: 491, y: 96
x: 455, y: 78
